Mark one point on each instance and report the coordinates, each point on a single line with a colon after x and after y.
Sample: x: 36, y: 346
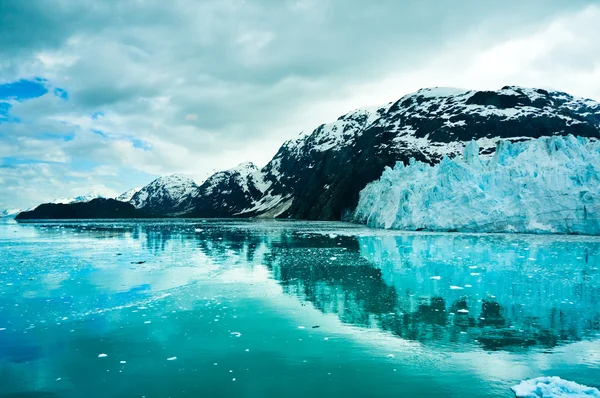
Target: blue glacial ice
x: 553, y: 387
x: 548, y: 185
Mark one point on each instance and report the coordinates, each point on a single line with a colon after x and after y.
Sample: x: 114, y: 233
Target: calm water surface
x: 290, y: 309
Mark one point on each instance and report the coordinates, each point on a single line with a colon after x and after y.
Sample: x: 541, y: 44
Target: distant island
x: 97, y: 208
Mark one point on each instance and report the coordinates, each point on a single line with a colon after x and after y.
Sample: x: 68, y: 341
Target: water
x: 295, y: 309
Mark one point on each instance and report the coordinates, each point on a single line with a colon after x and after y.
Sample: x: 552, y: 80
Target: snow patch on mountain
x: 8, y: 213
x: 78, y: 199
x: 548, y: 185
x: 245, y: 175
x: 164, y: 194
x: 128, y: 195
x: 338, y: 133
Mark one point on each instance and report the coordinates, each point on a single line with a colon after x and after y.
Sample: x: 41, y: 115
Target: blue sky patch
x: 5, y: 113
x: 4, y: 108
x: 100, y: 133
x: 12, y: 161
x: 137, y: 143
x: 23, y: 89
x: 56, y: 136
x: 61, y: 93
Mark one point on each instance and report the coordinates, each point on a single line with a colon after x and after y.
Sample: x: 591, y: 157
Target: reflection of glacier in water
x: 499, y: 290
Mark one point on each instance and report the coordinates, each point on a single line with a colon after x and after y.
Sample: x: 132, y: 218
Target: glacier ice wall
x: 548, y: 185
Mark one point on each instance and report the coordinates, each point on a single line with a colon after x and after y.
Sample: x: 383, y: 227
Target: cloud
x: 147, y: 88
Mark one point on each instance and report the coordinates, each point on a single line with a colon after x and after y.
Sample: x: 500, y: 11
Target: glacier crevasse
x: 548, y: 185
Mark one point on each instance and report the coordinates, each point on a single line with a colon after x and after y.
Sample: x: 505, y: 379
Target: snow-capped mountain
x: 127, y: 196
x: 548, y: 185
x: 227, y: 193
x: 165, y: 194
x: 319, y: 175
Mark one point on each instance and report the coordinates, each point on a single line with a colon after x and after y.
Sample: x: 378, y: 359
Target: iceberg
x: 547, y: 185
x: 553, y: 387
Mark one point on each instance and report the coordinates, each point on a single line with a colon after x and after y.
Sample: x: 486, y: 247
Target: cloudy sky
x: 103, y: 96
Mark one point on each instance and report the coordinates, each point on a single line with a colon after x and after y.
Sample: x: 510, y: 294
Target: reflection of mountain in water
x: 501, y: 292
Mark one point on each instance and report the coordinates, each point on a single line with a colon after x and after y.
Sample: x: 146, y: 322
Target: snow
x: 173, y: 189
x: 9, y: 213
x: 126, y: 196
x: 549, y: 185
x: 331, y: 136
x: 553, y: 387
x: 244, y: 175
x: 78, y: 199
x: 434, y: 92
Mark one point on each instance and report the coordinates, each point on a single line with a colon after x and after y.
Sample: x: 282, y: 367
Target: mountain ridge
x: 318, y: 175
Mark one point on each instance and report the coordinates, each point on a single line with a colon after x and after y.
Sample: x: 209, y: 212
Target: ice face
x: 548, y: 185
x: 553, y: 387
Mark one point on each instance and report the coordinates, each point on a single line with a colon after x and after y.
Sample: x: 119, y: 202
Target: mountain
x: 227, y: 193
x: 548, y: 185
x: 164, y: 195
x: 127, y: 196
x: 96, y: 208
x: 319, y: 175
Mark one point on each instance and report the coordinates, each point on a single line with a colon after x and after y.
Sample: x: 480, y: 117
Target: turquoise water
x: 290, y: 309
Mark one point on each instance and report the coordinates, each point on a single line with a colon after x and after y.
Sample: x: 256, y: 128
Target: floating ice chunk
x: 171, y: 359
x: 553, y: 387
x: 102, y: 355
x: 452, y: 287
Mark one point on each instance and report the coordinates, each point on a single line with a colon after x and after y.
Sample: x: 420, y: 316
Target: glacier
x: 553, y: 387
x: 546, y: 185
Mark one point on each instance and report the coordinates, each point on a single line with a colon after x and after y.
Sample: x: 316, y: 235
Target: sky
x: 105, y: 96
